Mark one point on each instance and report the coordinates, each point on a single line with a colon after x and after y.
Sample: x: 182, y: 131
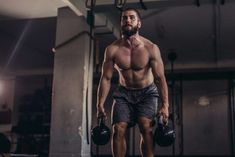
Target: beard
x: 129, y: 32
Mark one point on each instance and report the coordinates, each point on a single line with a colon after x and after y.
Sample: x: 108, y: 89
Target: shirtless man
x: 139, y: 64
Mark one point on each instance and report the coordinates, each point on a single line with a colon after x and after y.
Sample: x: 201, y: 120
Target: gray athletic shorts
x: 129, y: 104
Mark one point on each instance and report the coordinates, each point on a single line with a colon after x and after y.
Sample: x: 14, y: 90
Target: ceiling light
x: 203, y: 101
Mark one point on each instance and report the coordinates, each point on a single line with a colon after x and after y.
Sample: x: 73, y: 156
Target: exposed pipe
x: 222, y: 2
x: 91, y: 12
x: 143, y: 6
x: 92, y: 4
x: 119, y: 4
x: 198, y: 3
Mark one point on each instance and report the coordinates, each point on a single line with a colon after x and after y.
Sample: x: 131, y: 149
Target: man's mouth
x: 127, y: 26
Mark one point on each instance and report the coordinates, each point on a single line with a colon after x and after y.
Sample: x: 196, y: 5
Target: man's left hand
x: 164, y: 112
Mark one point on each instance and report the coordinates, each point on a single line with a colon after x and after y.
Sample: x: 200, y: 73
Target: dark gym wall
x: 206, y: 118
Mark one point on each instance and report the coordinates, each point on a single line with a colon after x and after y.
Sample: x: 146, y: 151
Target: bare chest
x: 135, y: 59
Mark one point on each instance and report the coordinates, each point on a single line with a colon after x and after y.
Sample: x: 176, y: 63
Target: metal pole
x: 181, y: 119
x: 172, y: 57
x: 231, y: 110
x: 217, y: 27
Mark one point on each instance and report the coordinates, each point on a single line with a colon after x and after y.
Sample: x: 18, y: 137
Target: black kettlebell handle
x: 101, y: 121
x: 161, y: 121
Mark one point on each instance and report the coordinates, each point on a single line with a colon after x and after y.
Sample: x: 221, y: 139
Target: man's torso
x: 133, y: 63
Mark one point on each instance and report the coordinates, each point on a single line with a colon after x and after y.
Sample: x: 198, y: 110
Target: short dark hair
x: 132, y: 9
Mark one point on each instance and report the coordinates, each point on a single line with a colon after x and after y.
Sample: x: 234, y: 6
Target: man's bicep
x: 107, y: 69
x: 108, y: 65
x: 157, y: 69
x: 157, y: 63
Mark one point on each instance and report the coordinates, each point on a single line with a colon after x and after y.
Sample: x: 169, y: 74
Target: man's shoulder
x: 148, y: 42
x: 112, y: 48
x: 152, y: 48
x: 114, y: 45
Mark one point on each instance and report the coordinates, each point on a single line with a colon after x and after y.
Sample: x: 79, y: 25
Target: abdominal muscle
x: 135, y: 79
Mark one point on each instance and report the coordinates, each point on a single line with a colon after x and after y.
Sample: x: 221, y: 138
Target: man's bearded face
x: 128, y: 30
x: 130, y: 23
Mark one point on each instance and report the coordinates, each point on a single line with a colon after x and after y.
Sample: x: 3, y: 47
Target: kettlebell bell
x: 100, y: 134
x: 5, y: 144
x: 163, y: 135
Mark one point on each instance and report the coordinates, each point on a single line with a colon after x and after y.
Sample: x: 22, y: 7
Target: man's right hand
x: 100, y: 112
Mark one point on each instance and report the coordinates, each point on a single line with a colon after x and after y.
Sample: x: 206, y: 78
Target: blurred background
x: 196, y: 39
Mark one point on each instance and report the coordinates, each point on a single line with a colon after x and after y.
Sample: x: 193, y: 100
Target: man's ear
x: 139, y: 24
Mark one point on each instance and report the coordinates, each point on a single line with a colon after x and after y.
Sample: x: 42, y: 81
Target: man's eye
x: 132, y: 18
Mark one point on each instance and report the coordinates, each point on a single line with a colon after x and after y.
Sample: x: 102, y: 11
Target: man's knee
x: 145, y: 126
x: 119, y: 130
x: 145, y: 129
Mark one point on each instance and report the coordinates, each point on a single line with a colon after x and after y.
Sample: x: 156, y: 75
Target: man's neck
x: 131, y: 40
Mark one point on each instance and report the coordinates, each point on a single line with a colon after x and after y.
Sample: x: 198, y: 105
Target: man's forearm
x: 163, y: 91
x: 103, y: 90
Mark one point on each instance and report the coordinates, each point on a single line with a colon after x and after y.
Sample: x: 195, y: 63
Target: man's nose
x: 128, y: 19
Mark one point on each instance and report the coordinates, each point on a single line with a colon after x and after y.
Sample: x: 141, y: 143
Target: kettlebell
x: 5, y: 144
x: 100, y: 134
x: 164, y: 136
